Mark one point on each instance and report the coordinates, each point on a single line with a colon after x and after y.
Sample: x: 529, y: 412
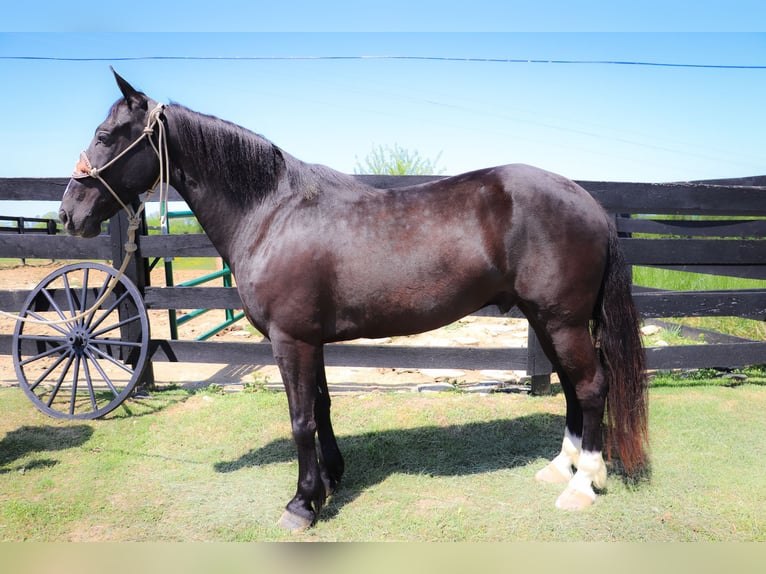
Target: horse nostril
x: 63, y: 217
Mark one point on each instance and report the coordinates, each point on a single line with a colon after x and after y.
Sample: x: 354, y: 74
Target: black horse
x: 320, y: 257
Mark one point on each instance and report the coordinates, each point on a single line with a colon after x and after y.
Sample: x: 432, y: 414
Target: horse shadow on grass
x: 455, y: 450
x: 38, y: 439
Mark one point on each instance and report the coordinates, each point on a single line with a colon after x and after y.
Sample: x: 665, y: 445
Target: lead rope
x: 84, y: 169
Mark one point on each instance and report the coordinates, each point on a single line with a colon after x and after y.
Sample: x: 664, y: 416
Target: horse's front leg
x: 298, y: 364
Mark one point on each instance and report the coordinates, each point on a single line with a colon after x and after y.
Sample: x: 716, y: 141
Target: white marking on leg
x: 570, y: 453
x: 579, y: 493
x: 564, y: 461
x: 591, y: 470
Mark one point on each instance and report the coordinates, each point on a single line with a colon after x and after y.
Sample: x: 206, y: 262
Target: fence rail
x: 718, y: 241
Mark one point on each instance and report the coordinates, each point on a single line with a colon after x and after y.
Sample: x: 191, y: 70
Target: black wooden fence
x: 732, y: 243
x: 19, y: 225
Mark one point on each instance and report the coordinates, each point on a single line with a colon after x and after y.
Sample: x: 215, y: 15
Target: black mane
x: 245, y: 166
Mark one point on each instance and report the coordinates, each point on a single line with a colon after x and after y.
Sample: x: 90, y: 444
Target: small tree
x: 396, y: 160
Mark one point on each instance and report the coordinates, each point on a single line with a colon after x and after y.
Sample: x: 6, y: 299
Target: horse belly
x: 403, y: 296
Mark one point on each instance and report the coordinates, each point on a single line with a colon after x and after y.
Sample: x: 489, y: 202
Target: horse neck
x: 215, y: 187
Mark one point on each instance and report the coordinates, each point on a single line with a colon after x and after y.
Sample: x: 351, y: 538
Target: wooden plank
x: 749, y: 304
x: 395, y: 356
x: 12, y: 300
x: 47, y: 189
x: 191, y: 245
x: 380, y: 356
x: 678, y: 199
x: 752, y: 181
x: 192, y: 298
x: 6, y: 344
x: 696, y: 228
x: 694, y: 251
x: 726, y: 356
x: 55, y: 247
x: 32, y: 188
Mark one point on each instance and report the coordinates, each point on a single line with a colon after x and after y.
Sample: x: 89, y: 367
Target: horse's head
x: 120, y: 163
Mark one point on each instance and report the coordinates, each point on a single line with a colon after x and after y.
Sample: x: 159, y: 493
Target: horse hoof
x: 552, y: 475
x: 572, y: 499
x: 293, y: 522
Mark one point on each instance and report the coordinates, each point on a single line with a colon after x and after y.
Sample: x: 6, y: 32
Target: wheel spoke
x: 70, y: 300
x: 44, y: 354
x: 115, y: 326
x: 53, y: 326
x: 89, y: 382
x: 75, y: 378
x: 101, y: 372
x: 112, y: 360
x: 100, y: 293
x: 84, y: 321
x: 55, y: 390
x: 116, y: 342
x: 48, y: 371
x: 54, y: 304
x: 106, y: 312
x: 84, y: 292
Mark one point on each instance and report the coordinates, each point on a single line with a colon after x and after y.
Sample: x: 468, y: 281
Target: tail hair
x: 616, y: 329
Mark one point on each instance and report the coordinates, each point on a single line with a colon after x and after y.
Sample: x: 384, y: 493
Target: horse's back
x: 530, y: 188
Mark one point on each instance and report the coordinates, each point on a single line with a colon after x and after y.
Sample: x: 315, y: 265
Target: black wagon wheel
x: 86, y: 367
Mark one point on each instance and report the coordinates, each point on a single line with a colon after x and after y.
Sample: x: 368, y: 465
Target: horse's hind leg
x: 559, y: 470
x: 571, y: 350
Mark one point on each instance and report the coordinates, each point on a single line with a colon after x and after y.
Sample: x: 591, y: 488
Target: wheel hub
x: 79, y: 339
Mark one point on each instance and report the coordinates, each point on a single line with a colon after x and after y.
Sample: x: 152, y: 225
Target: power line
x: 410, y: 58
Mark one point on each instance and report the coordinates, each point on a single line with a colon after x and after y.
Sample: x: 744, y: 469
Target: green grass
x: 201, y: 263
x: 684, y: 281
x: 709, y: 378
x: 446, y: 467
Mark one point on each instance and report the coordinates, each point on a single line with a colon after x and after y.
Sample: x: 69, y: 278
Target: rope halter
x: 84, y: 169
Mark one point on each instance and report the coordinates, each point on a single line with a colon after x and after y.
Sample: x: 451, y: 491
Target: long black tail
x: 616, y: 329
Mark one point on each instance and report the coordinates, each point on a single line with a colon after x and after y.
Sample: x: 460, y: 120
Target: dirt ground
x: 469, y: 332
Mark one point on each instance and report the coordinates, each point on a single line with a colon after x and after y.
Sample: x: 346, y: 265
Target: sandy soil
x: 472, y: 331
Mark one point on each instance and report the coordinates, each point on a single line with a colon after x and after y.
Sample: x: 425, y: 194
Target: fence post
x: 20, y: 229
x: 137, y: 271
x: 538, y: 365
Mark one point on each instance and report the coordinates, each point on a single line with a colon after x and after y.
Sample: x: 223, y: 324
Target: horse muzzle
x: 79, y: 210
x: 74, y: 229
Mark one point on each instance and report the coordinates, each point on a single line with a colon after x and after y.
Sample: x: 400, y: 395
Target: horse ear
x: 132, y: 96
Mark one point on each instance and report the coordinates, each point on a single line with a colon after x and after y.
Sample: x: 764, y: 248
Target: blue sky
x: 584, y: 120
